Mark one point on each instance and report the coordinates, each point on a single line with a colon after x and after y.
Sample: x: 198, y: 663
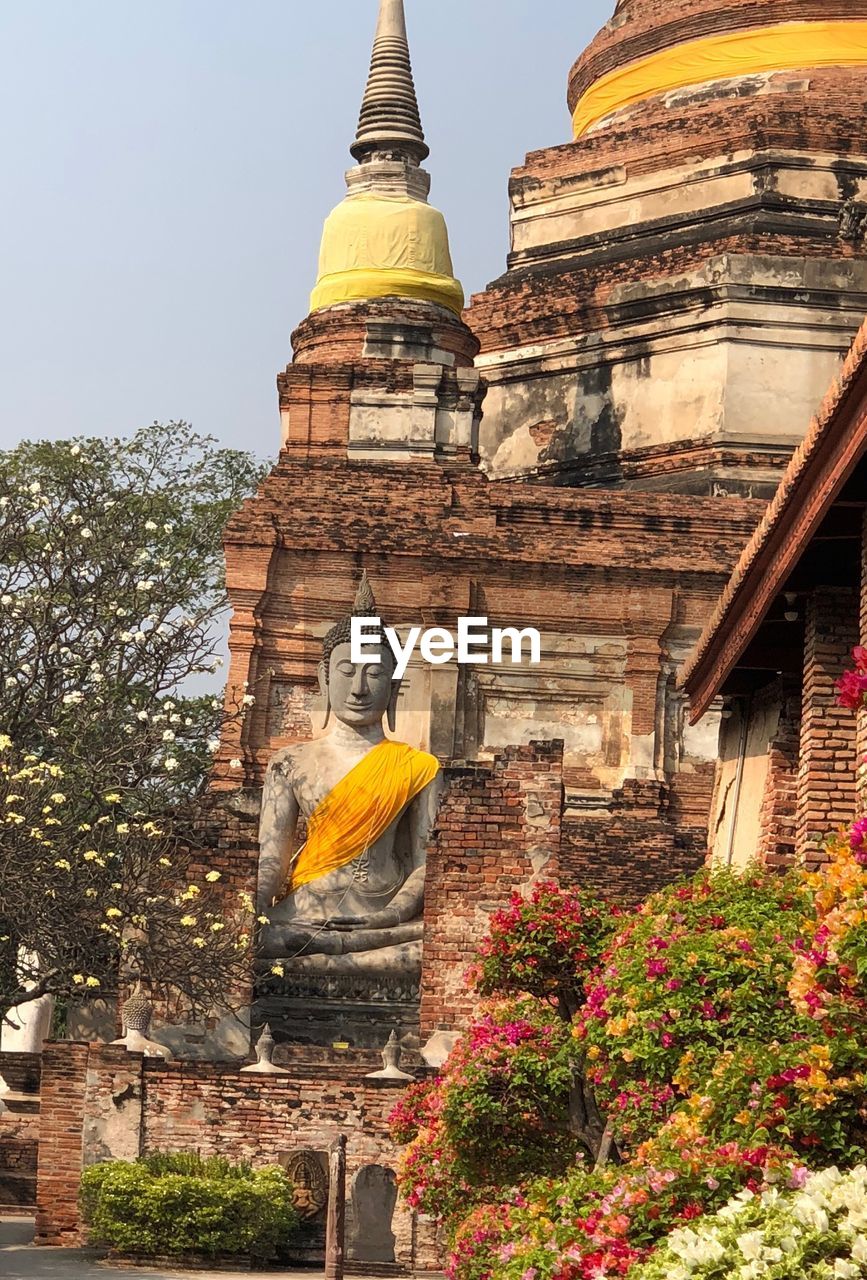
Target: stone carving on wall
x: 310, y: 1182
x: 349, y: 899
x: 853, y: 221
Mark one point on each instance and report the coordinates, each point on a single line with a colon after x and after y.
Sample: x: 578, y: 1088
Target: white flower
x: 141, y: 715
x: 859, y: 1249
x: 126, y: 636
x: 168, y: 526
x: 213, y: 745
x: 810, y: 1214
x: 75, y: 450
x: 248, y: 700
x: 236, y: 764
x: 168, y: 736
x: 75, y: 518
x: 170, y: 764
x: 847, y: 1270
x: 87, y: 533
x: 146, y: 584
x: 121, y: 613
x: 34, y: 487
x: 151, y: 526
x: 72, y: 699
x: 11, y: 682
x: 7, y: 599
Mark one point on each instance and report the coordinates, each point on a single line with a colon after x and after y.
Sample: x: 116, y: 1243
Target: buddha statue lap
x: 349, y: 898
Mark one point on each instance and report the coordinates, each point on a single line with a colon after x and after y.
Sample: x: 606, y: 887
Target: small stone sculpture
x: 391, y: 1056
x: 264, y: 1066
x: 137, y: 1014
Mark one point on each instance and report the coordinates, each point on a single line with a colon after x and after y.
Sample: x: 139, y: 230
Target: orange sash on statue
x: 362, y: 806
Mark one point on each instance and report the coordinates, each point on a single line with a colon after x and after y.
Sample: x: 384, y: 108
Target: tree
x: 111, y: 597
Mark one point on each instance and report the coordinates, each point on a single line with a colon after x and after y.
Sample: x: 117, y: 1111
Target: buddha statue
x: 349, y: 897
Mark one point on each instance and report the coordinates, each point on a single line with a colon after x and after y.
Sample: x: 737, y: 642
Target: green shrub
x: 172, y: 1205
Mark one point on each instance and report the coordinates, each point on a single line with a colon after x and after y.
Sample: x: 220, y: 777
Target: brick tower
x: 685, y: 274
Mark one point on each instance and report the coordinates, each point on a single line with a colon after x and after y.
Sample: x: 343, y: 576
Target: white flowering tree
x: 111, y: 603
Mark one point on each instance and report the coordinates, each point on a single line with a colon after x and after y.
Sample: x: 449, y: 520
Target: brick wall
x: 19, y: 1130
x: 827, y: 786
x: 498, y: 827
x: 637, y: 847
x: 103, y: 1103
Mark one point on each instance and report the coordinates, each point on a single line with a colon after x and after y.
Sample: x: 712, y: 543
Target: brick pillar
x: 778, y: 819
x: 64, y: 1074
x: 827, y: 788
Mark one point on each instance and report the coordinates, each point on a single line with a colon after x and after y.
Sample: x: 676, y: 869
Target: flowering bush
x: 591, y: 1224
x: 701, y: 966
x: 828, y: 981
x: 497, y: 1114
x: 507, y: 1087
x: 111, y: 592
x: 813, y: 1233
x: 852, y: 687
x: 545, y: 945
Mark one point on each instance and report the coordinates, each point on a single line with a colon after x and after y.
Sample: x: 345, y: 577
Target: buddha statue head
x: 359, y: 693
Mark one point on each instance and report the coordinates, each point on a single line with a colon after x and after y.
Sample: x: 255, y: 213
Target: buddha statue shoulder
x: 350, y: 895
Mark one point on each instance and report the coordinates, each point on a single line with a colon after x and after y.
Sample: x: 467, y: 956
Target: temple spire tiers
x: 390, y: 120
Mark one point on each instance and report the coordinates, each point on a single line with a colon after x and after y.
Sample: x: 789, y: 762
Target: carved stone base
x: 325, y: 1009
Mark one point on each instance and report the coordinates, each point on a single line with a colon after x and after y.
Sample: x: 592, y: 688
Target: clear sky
x: 166, y: 168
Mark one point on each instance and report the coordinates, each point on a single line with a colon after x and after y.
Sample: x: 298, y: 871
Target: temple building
x: 585, y: 449
x: 779, y: 642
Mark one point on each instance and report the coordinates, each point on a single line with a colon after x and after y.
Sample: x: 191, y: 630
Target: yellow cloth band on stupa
x: 360, y: 808
x: 786, y: 46
x: 387, y: 282
x: 377, y: 245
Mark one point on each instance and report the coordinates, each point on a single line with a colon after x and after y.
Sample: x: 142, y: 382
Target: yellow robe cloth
x: 785, y: 46
x: 362, y: 806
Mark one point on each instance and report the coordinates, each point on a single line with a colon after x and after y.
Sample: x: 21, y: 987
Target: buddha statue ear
x: 391, y: 710
x: 323, y: 689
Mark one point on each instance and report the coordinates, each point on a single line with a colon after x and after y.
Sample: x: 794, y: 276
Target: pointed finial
x: 390, y: 119
x: 365, y: 605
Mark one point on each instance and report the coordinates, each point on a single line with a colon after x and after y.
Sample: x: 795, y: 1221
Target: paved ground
x: 21, y: 1260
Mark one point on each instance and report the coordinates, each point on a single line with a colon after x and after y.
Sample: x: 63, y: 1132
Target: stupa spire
x: 390, y: 118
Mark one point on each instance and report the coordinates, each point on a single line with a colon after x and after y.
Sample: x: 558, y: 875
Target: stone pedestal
x: 360, y: 1010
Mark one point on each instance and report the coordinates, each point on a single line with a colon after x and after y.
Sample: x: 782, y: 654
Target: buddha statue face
x: 360, y: 693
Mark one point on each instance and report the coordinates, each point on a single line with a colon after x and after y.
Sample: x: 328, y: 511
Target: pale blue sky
x: 166, y: 168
